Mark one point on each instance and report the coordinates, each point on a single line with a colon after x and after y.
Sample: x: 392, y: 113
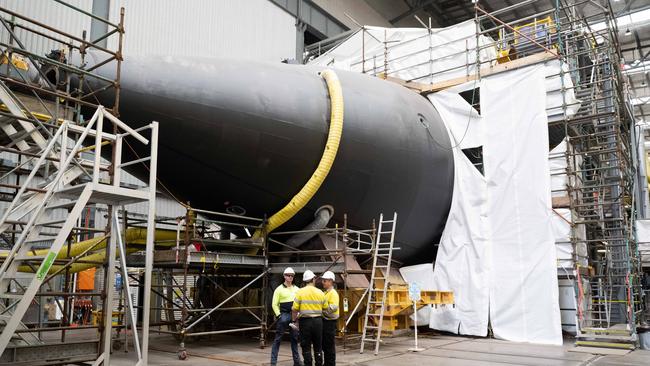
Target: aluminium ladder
x: 376, y: 304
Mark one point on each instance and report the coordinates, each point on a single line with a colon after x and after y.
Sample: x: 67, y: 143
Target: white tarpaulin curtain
x: 461, y: 263
x: 497, y: 252
x: 523, y: 277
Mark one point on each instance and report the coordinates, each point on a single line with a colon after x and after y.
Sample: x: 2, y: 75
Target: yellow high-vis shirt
x: 331, y: 311
x: 283, y: 299
x: 309, y: 302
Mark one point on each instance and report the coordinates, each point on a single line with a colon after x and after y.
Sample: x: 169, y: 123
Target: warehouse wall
x: 251, y: 29
x: 50, y: 13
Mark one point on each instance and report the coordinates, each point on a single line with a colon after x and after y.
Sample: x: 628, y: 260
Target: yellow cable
x: 329, y: 154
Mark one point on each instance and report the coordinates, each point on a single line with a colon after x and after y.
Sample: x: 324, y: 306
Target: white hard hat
x: 289, y: 270
x: 329, y: 275
x: 308, y: 276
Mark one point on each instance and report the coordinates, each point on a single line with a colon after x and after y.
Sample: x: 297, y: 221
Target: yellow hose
x: 133, y: 237
x: 329, y: 154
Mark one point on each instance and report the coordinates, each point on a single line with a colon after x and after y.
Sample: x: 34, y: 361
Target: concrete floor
x: 439, y: 350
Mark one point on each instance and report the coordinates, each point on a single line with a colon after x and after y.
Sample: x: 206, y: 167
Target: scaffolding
x: 45, y: 93
x: 593, y: 120
x: 216, y: 276
x: 211, y: 279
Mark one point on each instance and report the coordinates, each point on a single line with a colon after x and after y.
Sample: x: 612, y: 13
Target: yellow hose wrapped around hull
x: 327, y: 160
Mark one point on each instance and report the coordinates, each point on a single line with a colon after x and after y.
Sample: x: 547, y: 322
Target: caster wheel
x: 182, y: 355
x: 117, y: 345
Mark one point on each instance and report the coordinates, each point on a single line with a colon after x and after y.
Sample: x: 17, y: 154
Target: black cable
x: 469, y: 120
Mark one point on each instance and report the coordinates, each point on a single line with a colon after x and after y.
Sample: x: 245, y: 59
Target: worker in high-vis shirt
x: 282, y: 302
x: 308, y: 308
x: 330, y: 318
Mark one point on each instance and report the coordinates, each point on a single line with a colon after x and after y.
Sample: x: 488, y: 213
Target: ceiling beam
x: 436, y: 14
x: 411, y: 11
x: 462, y: 4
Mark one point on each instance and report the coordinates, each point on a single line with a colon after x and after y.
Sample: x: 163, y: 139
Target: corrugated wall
x: 52, y: 14
x: 249, y: 29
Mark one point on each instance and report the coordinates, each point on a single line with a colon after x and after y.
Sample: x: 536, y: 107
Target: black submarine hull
x: 237, y: 134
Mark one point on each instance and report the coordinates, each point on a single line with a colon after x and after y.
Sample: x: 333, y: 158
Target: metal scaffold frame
x: 44, y: 98
x: 206, y: 258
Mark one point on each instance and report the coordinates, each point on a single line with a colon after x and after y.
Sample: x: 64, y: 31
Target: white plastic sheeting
x: 462, y: 120
x: 566, y: 256
x: 497, y: 252
x: 461, y: 263
x: 561, y: 218
x: 413, y: 53
x: 522, y: 247
x: 560, y: 93
x: 558, y: 169
x: 421, y: 274
x: 568, y: 304
x: 643, y: 237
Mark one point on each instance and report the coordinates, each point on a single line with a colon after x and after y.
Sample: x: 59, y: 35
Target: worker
x: 330, y: 318
x: 308, y: 308
x: 282, y: 301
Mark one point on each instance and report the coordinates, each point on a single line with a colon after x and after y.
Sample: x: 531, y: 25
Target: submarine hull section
x: 249, y: 135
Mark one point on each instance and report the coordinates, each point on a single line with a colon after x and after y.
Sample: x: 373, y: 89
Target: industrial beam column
x: 97, y: 27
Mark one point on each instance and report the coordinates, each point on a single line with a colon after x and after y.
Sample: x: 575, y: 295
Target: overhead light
x: 628, y: 32
x: 638, y: 18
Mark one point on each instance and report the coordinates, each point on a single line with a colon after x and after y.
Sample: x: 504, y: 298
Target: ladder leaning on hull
x: 376, y: 304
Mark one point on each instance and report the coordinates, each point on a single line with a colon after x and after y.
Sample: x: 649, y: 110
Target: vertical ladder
x: 376, y: 304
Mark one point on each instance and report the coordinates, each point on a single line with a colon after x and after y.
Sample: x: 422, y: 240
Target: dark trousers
x: 282, y: 325
x: 329, y: 342
x: 311, y: 334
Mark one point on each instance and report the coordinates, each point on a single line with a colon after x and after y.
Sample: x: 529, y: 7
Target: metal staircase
x: 22, y: 131
x: 18, y: 339
x: 34, y: 266
x: 18, y: 127
x: 381, y: 262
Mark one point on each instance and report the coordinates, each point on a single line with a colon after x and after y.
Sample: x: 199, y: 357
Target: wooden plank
x: 561, y: 202
x: 424, y: 89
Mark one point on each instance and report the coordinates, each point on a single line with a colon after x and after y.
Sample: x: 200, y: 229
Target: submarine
x: 245, y: 136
